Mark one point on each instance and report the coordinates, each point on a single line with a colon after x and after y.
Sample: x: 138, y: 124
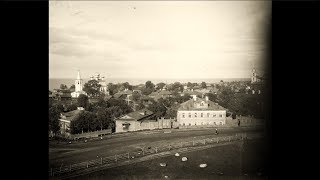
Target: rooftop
x: 137, y: 115
x: 190, y: 105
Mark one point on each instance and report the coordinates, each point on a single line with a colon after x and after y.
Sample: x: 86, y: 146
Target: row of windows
x: 207, y: 123
x: 201, y: 115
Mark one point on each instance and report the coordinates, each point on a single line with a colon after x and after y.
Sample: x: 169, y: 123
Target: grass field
x: 226, y: 161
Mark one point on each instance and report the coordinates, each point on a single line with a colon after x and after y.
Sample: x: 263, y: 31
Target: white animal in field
x: 203, y: 165
x: 184, y: 159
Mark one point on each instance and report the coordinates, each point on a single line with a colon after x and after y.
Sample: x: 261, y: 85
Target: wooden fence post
x: 87, y: 164
x: 192, y: 142
x: 217, y: 140
x: 128, y: 156
x: 115, y: 157
x: 101, y: 161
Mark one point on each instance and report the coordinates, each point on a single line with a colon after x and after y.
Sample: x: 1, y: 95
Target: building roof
x: 165, y: 92
x: 71, y: 114
x: 66, y: 95
x: 125, y: 92
x: 153, y: 94
x: 136, y: 115
x: 192, y: 93
x: 189, y: 105
x: 203, y: 90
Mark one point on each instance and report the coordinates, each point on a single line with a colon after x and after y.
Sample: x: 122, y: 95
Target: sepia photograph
x: 159, y: 89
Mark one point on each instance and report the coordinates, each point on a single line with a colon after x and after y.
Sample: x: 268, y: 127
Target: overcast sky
x: 157, y: 39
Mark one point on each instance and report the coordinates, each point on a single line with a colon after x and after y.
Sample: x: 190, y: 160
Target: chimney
x: 207, y: 98
x: 194, y: 97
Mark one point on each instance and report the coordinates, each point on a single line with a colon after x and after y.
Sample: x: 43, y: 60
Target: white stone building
x: 104, y: 87
x: 200, y: 112
x: 78, y: 87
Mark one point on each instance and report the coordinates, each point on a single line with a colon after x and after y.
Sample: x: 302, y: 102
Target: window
x: 208, y: 114
x: 195, y: 114
x: 214, y: 123
x: 201, y: 114
x: 214, y: 115
x: 220, y: 115
x: 195, y: 123
x: 184, y: 124
x: 189, y: 115
x: 201, y: 123
x: 189, y: 124
x: 201, y: 104
x: 182, y: 115
x: 220, y: 123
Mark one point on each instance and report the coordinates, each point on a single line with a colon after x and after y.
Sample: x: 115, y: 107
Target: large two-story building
x: 199, y: 112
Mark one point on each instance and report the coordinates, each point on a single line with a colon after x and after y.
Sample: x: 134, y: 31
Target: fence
x: 90, y: 134
x: 146, y: 151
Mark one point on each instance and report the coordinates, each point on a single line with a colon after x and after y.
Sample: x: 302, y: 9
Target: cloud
x: 79, y: 43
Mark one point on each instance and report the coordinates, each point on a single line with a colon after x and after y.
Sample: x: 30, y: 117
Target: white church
x: 78, y: 87
x: 104, y: 87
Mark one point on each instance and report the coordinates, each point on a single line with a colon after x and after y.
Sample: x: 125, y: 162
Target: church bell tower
x: 78, y: 83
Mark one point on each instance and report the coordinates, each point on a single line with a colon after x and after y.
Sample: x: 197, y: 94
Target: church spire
x: 78, y: 77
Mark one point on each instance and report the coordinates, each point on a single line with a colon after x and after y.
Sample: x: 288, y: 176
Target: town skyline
x: 157, y: 40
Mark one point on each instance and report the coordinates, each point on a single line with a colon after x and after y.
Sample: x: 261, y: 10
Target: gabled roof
x: 71, y: 114
x: 136, y: 115
x: 154, y: 94
x: 189, y: 105
x: 125, y: 92
x: 203, y: 90
x: 66, y: 95
x: 165, y: 92
x: 192, y: 93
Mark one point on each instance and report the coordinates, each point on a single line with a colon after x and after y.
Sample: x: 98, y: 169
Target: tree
x: 83, y: 101
x: 149, y: 85
x: 113, y: 88
x: 212, y: 97
x: 160, y: 86
x: 126, y: 85
x: 71, y: 107
x: 63, y: 86
x: 54, y: 115
x: 72, y: 88
x: 136, y: 96
x: 158, y: 109
x: 177, y: 87
x: 146, y: 91
x: 92, y: 88
x: 123, y: 106
x: 102, y: 119
x: 84, y: 122
x: 203, y: 85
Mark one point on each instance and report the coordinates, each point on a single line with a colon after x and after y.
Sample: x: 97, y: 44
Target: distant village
x: 96, y: 105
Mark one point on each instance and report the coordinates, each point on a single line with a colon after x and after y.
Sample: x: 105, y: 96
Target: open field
x: 64, y: 153
x: 223, y: 161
